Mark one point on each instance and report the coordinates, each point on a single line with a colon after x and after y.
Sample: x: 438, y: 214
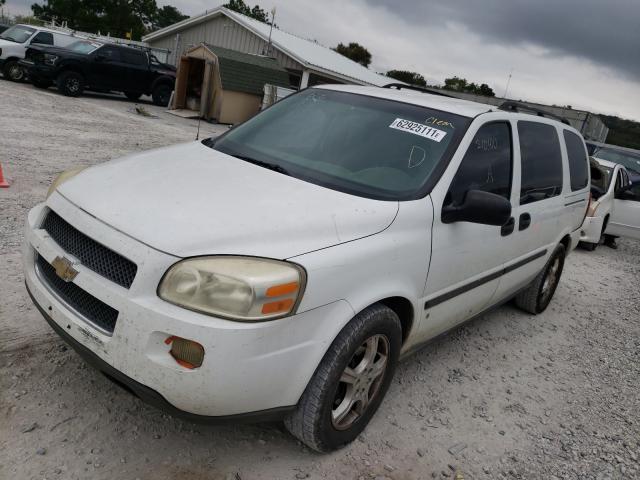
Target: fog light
x: 187, y: 353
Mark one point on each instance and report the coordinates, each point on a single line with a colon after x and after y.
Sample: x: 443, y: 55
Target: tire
x: 588, y: 246
x: 132, y: 95
x: 161, y: 94
x: 41, y: 83
x: 331, y: 412
x: 536, y: 297
x: 14, y: 72
x: 70, y: 83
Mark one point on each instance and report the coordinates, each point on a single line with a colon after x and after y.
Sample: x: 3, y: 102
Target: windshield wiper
x: 11, y: 39
x: 271, y: 166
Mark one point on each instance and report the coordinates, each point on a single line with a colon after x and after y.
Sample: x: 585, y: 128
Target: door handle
x: 507, y: 228
x: 525, y: 221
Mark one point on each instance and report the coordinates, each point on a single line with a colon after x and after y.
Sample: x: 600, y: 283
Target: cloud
x: 605, y: 33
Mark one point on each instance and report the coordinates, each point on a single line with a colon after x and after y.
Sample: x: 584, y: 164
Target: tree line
x: 119, y: 18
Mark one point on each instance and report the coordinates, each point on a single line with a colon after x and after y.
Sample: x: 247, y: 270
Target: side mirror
x: 479, y: 207
x: 100, y: 58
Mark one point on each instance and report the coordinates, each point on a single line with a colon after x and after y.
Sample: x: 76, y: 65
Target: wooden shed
x: 224, y: 85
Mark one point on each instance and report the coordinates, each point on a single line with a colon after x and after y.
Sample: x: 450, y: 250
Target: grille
x: 94, y: 310
x: 91, y: 254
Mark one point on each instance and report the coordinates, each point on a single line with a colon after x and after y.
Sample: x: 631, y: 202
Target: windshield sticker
x: 418, y: 129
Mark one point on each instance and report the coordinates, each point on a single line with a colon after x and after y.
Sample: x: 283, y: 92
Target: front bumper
x: 591, y: 229
x: 248, y: 367
x: 37, y: 70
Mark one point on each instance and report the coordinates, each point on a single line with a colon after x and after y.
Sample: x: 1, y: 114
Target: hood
x: 190, y: 200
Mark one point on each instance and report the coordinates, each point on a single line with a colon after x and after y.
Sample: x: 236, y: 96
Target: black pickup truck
x: 89, y: 65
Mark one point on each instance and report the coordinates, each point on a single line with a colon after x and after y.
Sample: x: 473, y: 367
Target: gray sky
x: 583, y: 53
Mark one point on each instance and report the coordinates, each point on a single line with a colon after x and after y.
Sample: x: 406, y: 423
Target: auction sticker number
x: 418, y: 129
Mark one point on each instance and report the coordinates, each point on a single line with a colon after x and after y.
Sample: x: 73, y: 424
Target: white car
x: 281, y: 270
x: 614, y: 207
x: 14, y: 43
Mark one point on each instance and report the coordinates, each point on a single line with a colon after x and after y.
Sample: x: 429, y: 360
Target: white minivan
x: 614, y: 206
x: 281, y: 270
x: 14, y: 43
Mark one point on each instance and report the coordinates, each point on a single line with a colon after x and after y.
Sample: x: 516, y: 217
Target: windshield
x: 83, y: 47
x: 631, y: 161
x: 357, y: 144
x: 600, y: 177
x: 18, y: 33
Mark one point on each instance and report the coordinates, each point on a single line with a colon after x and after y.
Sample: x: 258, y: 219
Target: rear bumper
x: 150, y: 396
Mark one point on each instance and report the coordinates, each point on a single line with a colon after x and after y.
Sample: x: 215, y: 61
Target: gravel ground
x: 508, y: 395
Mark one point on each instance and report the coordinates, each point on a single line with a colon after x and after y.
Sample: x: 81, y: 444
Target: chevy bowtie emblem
x: 64, y: 268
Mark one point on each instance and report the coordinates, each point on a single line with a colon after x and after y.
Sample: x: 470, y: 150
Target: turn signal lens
x: 276, y: 307
x: 593, y: 206
x: 187, y: 353
x: 280, y: 290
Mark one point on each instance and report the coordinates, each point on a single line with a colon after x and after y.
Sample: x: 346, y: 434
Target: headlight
x: 63, y: 177
x: 50, y: 59
x: 237, y: 288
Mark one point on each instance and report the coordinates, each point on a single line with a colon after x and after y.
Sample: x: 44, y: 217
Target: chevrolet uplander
x: 281, y: 270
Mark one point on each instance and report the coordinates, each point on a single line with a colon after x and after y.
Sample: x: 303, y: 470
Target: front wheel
x: 71, y: 83
x: 13, y: 71
x: 350, y: 382
x: 161, y: 94
x: 536, y: 297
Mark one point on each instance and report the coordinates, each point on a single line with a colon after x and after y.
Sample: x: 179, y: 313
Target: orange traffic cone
x: 3, y: 181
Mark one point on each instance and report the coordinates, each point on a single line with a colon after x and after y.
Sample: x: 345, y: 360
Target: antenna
x: 508, y: 82
x: 273, y: 20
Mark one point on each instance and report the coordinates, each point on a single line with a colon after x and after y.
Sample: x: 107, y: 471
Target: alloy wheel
x: 550, y: 281
x: 73, y: 85
x: 360, y: 381
x: 16, y: 73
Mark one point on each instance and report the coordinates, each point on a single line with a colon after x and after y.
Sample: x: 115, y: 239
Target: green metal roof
x: 243, y: 72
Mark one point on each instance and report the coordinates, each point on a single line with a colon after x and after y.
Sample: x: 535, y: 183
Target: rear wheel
x: 536, y: 297
x: 132, y: 95
x: 161, y: 94
x: 350, y: 382
x: 13, y: 71
x: 71, y: 83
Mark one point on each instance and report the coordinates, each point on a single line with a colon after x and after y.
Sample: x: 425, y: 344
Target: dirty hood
x: 191, y: 200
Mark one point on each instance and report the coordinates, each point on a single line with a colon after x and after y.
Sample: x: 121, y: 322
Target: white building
x: 307, y: 62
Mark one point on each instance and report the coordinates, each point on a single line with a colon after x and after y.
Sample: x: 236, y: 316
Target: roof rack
x: 512, y: 106
x: 400, y: 86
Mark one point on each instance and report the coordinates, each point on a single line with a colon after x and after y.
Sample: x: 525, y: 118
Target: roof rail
x: 400, y: 86
x: 512, y: 106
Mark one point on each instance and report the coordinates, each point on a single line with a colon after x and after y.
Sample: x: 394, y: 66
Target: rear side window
x: 133, y: 57
x: 541, y: 162
x: 578, y: 161
x: 110, y: 53
x: 43, y: 38
x: 486, y: 166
